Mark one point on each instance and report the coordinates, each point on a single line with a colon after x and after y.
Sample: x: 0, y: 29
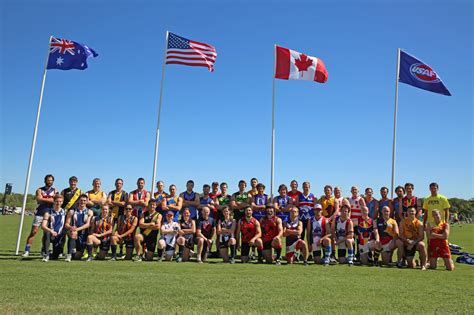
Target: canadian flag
x: 292, y: 65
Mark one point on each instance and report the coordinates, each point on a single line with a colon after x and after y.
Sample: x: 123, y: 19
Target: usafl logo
x: 423, y: 73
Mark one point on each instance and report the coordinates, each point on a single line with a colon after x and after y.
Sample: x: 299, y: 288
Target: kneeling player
x: 226, y: 232
x: 319, y: 229
x: 292, y: 232
x: 53, y: 225
x: 343, y: 232
x: 249, y: 230
x: 102, y: 228
x: 385, y: 236
x: 439, y: 246
x: 77, y: 223
x: 150, y: 223
x: 205, y: 234
x: 410, y: 240
x: 169, y: 234
x: 366, y: 236
x: 185, y: 236
x: 126, y: 225
x: 272, y: 231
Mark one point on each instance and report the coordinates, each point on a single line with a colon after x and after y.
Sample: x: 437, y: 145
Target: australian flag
x: 66, y: 55
x: 417, y: 73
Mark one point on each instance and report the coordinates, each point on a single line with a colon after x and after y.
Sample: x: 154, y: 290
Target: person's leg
x: 327, y: 250
x: 200, y: 247
x: 181, y: 242
x: 350, y: 251
x: 113, y: 246
x: 31, y: 237
x: 400, y: 245
x: 448, y: 263
x: 46, y: 242
x: 433, y: 263
x: 138, y: 246
x: 232, y: 245
x: 276, y: 244
x: 420, y: 247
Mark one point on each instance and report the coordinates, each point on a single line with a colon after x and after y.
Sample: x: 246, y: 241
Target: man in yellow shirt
x: 410, y: 240
x: 435, y: 202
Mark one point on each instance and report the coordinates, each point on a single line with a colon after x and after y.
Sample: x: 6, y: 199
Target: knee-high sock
x: 114, y: 250
x: 232, y: 251
x: 72, y: 245
x: 89, y: 250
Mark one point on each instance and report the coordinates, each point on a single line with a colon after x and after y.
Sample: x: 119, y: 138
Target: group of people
x: 327, y: 230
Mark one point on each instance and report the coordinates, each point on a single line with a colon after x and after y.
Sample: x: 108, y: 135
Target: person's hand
x: 54, y: 233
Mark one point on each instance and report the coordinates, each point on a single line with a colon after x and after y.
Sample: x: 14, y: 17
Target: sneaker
x: 179, y: 259
x: 68, y: 258
x: 350, y: 262
x: 138, y: 258
x: 113, y: 258
x: 399, y: 264
x: 46, y: 258
x: 325, y: 261
x: 423, y: 268
x: 159, y: 259
x: 25, y: 254
x: 310, y: 257
x: 232, y: 261
x: 61, y: 256
x: 199, y: 261
x: 332, y: 260
x: 260, y: 260
x: 85, y: 255
x: 305, y: 263
x: 90, y: 259
x: 123, y: 256
x: 278, y: 262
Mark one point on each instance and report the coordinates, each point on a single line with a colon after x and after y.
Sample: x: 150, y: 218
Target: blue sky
x: 217, y: 126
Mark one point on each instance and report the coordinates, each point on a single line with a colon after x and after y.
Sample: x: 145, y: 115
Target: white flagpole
x: 32, y: 153
x: 273, y: 132
x: 157, y: 141
x: 395, y: 123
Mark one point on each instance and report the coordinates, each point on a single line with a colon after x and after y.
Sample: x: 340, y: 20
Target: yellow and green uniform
x: 95, y: 196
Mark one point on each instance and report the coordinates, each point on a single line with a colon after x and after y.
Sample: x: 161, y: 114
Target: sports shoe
x: 325, y: 261
x: 90, y: 259
x: 159, y: 259
x: 232, y: 261
x: 61, y: 256
x: 123, y: 256
x: 85, y: 255
x: 332, y: 260
x: 113, y: 258
x: 199, y: 261
x: 305, y: 263
x: 25, y: 254
x: 138, y: 258
x: 278, y: 262
x: 350, y: 262
x: 260, y: 260
x: 68, y: 258
x: 399, y: 264
x: 310, y: 257
x: 423, y: 268
x: 179, y: 259
x: 46, y: 258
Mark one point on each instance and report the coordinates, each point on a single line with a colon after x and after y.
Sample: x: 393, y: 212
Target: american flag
x: 183, y: 51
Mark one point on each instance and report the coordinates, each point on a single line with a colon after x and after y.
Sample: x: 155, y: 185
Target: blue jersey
x: 173, y: 201
x: 397, y: 204
x: 293, y: 226
x: 47, y: 193
x: 260, y: 200
x: 371, y: 206
x: 190, y: 197
x: 282, y: 203
x: 80, y: 218
x: 306, y: 204
x: 56, y: 220
x: 383, y: 204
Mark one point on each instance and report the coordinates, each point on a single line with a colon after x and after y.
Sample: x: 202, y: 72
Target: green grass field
x: 31, y: 286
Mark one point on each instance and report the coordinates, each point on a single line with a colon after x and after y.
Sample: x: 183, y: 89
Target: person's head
x: 328, y: 191
x: 369, y: 192
x: 118, y: 184
x: 206, y: 189
x: 386, y: 212
x: 337, y: 192
x: 436, y: 216
x: 318, y: 210
x: 354, y: 191
x: 253, y: 183
x: 160, y: 185
x: 104, y: 211
x: 248, y: 212
x: 58, y: 201
x: 73, y: 182
x: 270, y: 211
x: 172, y: 190
x: 306, y: 187
x: 224, y: 188
x: 152, y: 205
x: 83, y: 200
x: 400, y: 191
x: 345, y: 211
x: 409, y: 187
x: 190, y: 185
x: 128, y: 210
x: 294, y: 185
x: 140, y: 183
x: 49, y: 180
x: 169, y: 216
x: 96, y: 184
x: 283, y: 190
x: 261, y: 188
x: 293, y: 213
x: 226, y: 212
x: 365, y: 212
x: 411, y: 212
x: 242, y: 185
x: 215, y: 187
x: 186, y: 214
x: 434, y: 189
x: 384, y: 192
x: 205, y: 212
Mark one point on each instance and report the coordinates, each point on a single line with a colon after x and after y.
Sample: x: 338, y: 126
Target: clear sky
x: 217, y: 126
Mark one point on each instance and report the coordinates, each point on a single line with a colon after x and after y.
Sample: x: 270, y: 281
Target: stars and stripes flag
x: 183, y: 51
x: 66, y: 54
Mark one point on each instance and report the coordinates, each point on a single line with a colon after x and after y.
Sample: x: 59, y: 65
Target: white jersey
x: 341, y: 227
x: 170, y: 239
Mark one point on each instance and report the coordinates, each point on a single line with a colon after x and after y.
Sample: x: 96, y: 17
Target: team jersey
x: 159, y: 198
x: 269, y: 228
x: 241, y: 197
x: 342, y: 227
x: 80, y: 217
x: 283, y: 201
x: 125, y: 224
x: 56, y: 220
x: 294, y: 195
x: 409, y: 202
x: 118, y: 197
x: 306, y: 204
x: 214, y: 196
x: 383, y: 203
x: 260, y: 200
x: 356, y: 209
x: 95, y: 196
x: 318, y: 228
x: 170, y: 239
x: 173, y: 200
x: 366, y: 230
x: 431, y: 203
x: 248, y: 229
x: 397, y: 208
x: 206, y: 227
x: 327, y: 205
x: 371, y: 205
x: 71, y: 198
x: 186, y: 225
x: 292, y: 226
x: 411, y: 228
x: 136, y: 196
x: 190, y: 197
x: 101, y: 225
x: 226, y: 224
x: 149, y: 218
x: 43, y: 207
x: 386, y: 229
x: 224, y: 199
x: 437, y: 242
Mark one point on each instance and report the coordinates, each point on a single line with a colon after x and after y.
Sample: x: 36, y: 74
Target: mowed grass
x: 30, y: 286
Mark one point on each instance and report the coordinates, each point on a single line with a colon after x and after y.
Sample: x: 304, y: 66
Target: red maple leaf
x: 303, y: 63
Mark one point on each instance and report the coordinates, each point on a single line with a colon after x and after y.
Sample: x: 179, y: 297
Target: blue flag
x: 417, y: 73
x: 66, y: 55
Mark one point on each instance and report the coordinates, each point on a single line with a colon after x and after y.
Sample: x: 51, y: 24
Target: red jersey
x: 269, y: 228
x: 248, y: 229
x: 294, y: 195
x: 439, y: 247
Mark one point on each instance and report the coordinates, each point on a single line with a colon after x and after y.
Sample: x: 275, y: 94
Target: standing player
x: 102, y: 227
x: 77, y: 224
x: 435, y: 202
x: 117, y: 199
x: 150, y: 224
x: 411, y: 201
x: 169, y: 233
x: 214, y: 194
x: 320, y: 229
x: 398, y: 204
x: 53, y: 229
x: 259, y: 202
x: 283, y: 203
x: 371, y: 203
x: 343, y: 234
x: 272, y: 231
x: 357, y: 202
x: 125, y: 233
x: 305, y: 203
x: 438, y: 233
x: 339, y: 201
x: 226, y: 236
x: 384, y: 202
x: 190, y: 199
x: 410, y: 240
x: 327, y: 203
x: 173, y: 203
x: 71, y: 195
x: 139, y: 198
x: 185, y: 236
x: 385, y: 236
x: 97, y: 198
x: 44, y: 198
x: 294, y: 193
x: 240, y: 201
x: 222, y: 200
x: 159, y: 195
x: 249, y: 230
x: 366, y: 236
x: 294, y: 242
x: 205, y: 200
x: 205, y: 233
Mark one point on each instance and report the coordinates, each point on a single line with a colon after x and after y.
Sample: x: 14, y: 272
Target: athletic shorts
x: 105, y: 244
x: 387, y: 247
x: 316, y: 243
x: 342, y: 245
x: 189, y: 241
x: 37, y: 220
x: 291, y: 249
x: 439, y: 251
x: 128, y: 243
x: 267, y: 245
x: 224, y: 241
x: 81, y: 242
x: 150, y: 241
x: 410, y: 252
x: 244, y: 249
x: 169, y: 250
x: 364, y: 249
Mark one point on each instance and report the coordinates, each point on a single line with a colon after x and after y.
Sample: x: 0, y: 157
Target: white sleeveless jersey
x: 170, y: 239
x: 341, y: 227
x: 356, y: 208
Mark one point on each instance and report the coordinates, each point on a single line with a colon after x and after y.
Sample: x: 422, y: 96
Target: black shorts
x: 267, y: 245
x: 105, y: 244
x: 189, y: 241
x: 410, y: 253
x: 244, y: 249
x: 81, y: 242
x: 128, y: 243
x: 150, y: 242
x: 224, y: 241
x: 169, y: 248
